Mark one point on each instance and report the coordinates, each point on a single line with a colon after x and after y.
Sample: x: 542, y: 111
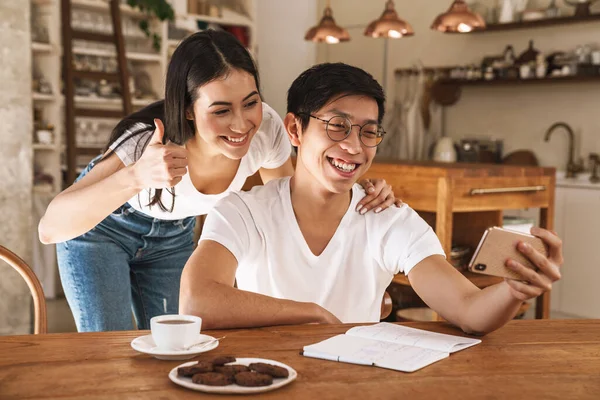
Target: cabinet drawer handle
x: 539, y: 188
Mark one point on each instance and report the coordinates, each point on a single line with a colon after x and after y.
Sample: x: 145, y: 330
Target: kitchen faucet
x: 572, y: 167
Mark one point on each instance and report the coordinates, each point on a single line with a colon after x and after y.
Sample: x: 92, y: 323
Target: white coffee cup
x: 175, y: 332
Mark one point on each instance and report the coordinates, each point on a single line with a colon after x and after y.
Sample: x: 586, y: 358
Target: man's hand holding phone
x: 548, y: 267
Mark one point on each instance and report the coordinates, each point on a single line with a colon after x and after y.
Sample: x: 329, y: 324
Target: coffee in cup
x: 175, y: 332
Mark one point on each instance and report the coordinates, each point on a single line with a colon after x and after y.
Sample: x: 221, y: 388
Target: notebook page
x: 385, y: 331
x: 357, y: 350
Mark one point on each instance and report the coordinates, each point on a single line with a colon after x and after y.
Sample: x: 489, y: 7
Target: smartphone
x: 499, y: 244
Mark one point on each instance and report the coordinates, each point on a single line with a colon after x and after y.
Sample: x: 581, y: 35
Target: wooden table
x: 545, y: 359
x: 461, y: 200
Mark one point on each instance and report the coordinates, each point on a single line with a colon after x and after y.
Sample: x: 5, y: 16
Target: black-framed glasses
x: 339, y: 128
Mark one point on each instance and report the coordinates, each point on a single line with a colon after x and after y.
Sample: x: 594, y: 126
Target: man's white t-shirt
x: 270, y: 148
x: 348, y: 278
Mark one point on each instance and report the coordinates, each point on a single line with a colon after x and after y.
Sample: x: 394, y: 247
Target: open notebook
x: 390, y: 346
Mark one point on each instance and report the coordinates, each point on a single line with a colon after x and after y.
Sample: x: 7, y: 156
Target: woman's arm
x: 83, y: 205
x: 107, y: 186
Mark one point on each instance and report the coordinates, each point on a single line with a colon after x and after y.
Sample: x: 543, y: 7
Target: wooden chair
x: 386, y: 305
x: 35, y: 287
x: 424, y: 314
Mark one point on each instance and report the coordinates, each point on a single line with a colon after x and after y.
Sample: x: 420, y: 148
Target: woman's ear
x: 189, y: 114
x: 293, y: 128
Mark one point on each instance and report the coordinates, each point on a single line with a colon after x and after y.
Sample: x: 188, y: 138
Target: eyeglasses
x: 339, y: 128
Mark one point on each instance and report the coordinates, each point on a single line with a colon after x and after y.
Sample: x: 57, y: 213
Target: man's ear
x: 293, y: 128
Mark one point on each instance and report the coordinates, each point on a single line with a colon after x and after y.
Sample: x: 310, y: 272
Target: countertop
x: 460, y: 169
x: 581, y: 181
x: 432, y: 168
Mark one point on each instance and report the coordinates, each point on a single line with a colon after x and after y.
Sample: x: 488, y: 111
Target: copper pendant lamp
x: 458, y: 19
x: 389, y: 25
x: 327, y: 30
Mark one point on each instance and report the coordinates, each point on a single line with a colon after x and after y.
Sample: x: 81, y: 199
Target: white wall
x: 519, y: 115
x: 16, y: 173
x: 282, y: 52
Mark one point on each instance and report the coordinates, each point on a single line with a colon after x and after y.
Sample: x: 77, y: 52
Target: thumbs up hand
x: 159, y: 133
x: 161, y: 165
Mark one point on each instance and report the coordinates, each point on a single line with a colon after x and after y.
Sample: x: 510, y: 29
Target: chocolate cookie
x: 253, y: 379
x: 231, y: 370
x: 222, y: 360
x: 270, y: 369
x: 198, y: 368
x: 212, y: 379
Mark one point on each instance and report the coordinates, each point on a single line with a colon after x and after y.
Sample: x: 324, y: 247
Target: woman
x: 125, y: 228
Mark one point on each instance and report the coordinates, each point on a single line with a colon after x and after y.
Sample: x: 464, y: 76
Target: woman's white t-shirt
x: 348, y: 278
x: 270, y: 148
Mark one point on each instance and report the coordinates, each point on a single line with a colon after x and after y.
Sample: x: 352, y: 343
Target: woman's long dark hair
x: 199, y: 59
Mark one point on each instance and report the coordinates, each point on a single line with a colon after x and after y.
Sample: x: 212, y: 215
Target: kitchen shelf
x: 89, y: 150
x: 234, y: 19
x: 43, y: 189
x: 538, y: 23
x: 513, y: 82
x: 37, y: 47
x: 111, y: 102
x: 142, y: 102
x: 144, y: 57
x: 109, y: 53
x: 174, y: 42
x: 44, y: 97
x: 40, y: 146
x: 97, y: 5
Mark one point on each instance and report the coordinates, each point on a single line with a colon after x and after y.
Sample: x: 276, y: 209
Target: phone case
x: 496, y: 246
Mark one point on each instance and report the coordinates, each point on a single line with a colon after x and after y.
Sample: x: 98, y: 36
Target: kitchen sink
x: 582, y: 180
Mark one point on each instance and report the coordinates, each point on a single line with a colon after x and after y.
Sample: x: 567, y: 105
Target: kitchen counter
x: 467, y: 169
x: 581, y: 181
x: 466, y: 187
x: 577, y: 222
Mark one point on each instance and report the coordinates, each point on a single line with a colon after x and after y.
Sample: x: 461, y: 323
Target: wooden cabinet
x: 578, y: 224
x: 461, y: 200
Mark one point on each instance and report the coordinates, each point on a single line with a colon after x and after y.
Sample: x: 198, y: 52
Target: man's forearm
x: 489, y: 309
x: 221, y: 307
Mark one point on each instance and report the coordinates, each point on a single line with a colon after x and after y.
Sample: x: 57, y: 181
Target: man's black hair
x: 320, y: 84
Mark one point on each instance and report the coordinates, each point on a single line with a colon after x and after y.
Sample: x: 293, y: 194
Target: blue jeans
x: 129, y: 261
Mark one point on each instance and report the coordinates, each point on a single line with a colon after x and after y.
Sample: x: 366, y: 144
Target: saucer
x: 234, y: 388
x: 145, y: 344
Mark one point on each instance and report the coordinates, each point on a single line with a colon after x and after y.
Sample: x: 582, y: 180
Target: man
x: 300, y: 254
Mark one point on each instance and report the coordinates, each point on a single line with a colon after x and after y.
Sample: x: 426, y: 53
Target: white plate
x: 145, y: 344
x: 234, y: 388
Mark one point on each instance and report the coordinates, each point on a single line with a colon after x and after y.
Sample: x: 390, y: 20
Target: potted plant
x: 160, y: 9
